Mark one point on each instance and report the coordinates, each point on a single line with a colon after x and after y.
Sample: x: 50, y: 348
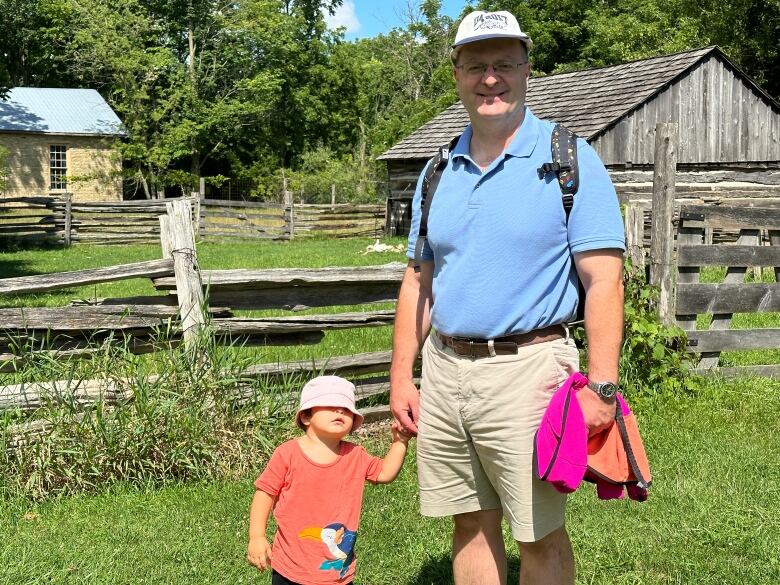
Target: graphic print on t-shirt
x: 339, y: 543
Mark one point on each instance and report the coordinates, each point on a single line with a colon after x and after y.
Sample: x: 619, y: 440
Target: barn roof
x: 79, y: 112
x: 588, y: 101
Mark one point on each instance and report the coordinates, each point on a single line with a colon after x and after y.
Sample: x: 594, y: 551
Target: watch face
x: 607, y: 389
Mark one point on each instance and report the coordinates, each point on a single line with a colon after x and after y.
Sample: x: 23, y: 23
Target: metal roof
x: 587, y: 102
x: 81, y: 112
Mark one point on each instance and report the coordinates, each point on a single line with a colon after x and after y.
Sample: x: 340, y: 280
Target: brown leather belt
x: 507, y: 345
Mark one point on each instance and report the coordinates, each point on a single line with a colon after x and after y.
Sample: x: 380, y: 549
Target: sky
x: 368, y: 18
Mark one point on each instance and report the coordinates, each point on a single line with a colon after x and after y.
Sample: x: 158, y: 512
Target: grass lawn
x: 713, y: 516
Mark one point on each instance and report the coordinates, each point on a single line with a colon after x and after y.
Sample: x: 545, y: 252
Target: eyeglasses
x: 499, y: 68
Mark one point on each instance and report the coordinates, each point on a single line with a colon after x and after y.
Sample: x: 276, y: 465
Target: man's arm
x: 601, y: 272
x: 412, y: 325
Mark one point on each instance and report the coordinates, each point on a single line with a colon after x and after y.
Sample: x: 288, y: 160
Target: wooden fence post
x: 333, y: 195
x: 662, y: 239
x: 68, y: 218
x: 195, y: 202
x: 288, y: 204
x: 178, y: 240
x: 635, y: 235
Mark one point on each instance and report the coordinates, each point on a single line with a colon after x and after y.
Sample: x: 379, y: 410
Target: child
x: 315, y: 485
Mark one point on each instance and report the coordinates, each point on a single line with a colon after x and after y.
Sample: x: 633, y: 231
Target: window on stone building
x: 58, y: 167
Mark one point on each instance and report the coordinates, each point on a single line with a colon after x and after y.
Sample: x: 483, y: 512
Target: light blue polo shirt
x: 499, y: 238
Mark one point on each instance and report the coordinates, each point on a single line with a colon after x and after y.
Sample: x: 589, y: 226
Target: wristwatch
x: 605, y: 390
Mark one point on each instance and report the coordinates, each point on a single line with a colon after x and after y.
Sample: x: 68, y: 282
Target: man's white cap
x: 480, y: 25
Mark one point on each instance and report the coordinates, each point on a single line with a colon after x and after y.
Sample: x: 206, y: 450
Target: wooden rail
x: 63, y: 220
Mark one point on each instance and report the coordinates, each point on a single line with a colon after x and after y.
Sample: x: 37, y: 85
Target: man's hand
x: 405, y: 405
x: 598, y: 414
x: 259, y: 553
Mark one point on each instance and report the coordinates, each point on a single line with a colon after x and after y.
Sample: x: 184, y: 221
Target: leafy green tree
x: 30, y: 34
x: 570, y: 34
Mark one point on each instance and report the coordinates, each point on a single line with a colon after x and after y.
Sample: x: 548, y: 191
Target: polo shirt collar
x: 522, y: 144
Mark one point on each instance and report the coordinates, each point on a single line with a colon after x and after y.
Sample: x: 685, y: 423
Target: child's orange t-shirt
x: 317, y: 511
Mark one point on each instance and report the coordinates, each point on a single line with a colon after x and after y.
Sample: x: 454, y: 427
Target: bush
x: 653, y: 358
x: 192, y: 416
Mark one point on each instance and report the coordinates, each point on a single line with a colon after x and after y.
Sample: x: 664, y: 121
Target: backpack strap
x: 563, y: 145
x: 428, y: 189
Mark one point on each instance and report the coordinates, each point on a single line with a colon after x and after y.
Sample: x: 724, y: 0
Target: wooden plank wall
x: 721, y: 119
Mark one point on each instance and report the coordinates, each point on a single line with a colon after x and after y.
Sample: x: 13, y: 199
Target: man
x: 496, y: 287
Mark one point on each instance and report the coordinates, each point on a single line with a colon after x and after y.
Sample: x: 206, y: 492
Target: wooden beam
x: 728, y: 298
x: 279, y: 277
x: 728, y: 255
x: 47, y: 282
x: 189, y: 289
x: 355, y: 365
x: 266, y: 325
x: 735, y: 218
x: 717, y: 340
x: 767, y: 371
x: 296, y: 298
x: 85, y: 317
x: 662, y: 240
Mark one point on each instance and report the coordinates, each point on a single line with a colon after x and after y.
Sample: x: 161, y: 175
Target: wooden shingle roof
x: 587, y: 101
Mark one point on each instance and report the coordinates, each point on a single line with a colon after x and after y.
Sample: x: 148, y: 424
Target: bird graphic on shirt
x: 340, y: 543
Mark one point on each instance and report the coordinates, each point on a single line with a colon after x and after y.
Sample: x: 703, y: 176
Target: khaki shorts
x: 478, y: 418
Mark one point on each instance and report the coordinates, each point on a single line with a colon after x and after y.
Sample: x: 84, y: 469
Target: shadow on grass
x: 438, y: 571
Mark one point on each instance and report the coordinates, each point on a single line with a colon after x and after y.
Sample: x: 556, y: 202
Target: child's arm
x: 259, y: 551
x: 394, y: 460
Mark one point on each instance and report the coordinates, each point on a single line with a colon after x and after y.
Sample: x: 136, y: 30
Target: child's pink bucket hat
x: 329, y: 391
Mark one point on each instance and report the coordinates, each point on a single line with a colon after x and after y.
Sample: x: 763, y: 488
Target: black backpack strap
x: 430, y: 182
x: 563, y: 146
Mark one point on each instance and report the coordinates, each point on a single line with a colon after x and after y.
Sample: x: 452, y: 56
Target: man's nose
x: 489, y: 77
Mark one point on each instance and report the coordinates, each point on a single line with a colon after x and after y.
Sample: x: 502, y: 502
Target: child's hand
x: 259, y: 554
x: 399, y: 434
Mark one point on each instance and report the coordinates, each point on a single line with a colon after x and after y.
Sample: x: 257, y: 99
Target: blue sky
x: 368, y: 18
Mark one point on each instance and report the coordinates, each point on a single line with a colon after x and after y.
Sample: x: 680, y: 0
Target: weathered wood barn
x: 729, y: 128
x: 61, y: 140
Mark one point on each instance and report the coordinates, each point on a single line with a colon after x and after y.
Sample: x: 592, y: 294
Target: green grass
x: 712, y: 519
x: 713, y: 516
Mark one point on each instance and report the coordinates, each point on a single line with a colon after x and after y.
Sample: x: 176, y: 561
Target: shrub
x: 653, y: 358
x: 192, y: 416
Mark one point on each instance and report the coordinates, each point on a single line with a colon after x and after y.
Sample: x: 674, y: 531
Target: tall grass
x: 183, y: 414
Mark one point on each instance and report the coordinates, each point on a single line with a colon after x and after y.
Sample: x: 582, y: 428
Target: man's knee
x: 480, y: 522
x: 556, y: 543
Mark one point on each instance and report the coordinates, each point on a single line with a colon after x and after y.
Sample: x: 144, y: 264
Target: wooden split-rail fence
x: 149, y: 323
x: 62, y: 220
x: 679, y: 249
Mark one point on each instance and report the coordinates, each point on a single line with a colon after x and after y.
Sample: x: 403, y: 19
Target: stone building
x: 61, y: 141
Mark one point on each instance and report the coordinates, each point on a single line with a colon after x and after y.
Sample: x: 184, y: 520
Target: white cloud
x: 345, y: 16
